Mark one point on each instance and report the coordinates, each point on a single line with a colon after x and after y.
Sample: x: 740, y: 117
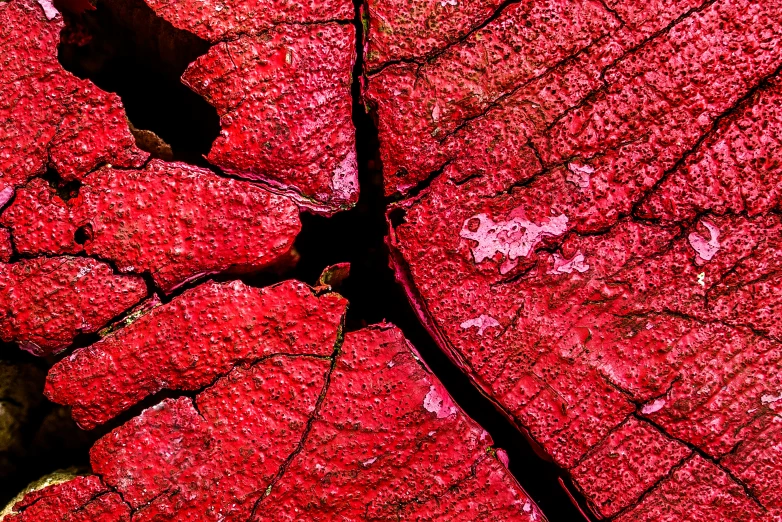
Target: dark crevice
x: 357, y: 236
x: 66, y: 190
x: 125, y: 48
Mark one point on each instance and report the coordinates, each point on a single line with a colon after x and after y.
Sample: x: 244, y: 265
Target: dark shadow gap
x: 124, y: 48
x: 357, y: 236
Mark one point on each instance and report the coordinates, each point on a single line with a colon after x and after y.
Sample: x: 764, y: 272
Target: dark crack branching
x: 141, y: 57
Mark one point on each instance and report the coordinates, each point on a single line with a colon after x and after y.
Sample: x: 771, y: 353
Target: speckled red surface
x: 357, y: 429
x: 46, y: 302
x: 604, y: 200
x: 173, y: 221
x: 587, y: 220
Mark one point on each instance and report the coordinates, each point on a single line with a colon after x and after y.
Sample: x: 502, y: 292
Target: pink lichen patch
x: 45, y: 303
x: 566, y: 266
x: 513, y: 239
x: 49, y: 117
x: 483, y: 322
x: 187, y: 343
x: 438, y: 402
x: 579, y: 174
x: 285, y: 108
x: 668, y: 321
x: 172, y: 220
x: 706, y: 248
x: 653, y: 407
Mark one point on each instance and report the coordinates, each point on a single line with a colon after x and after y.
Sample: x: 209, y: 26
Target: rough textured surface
x: 605, y: 202
x: 362, y: 431
x: 285, y: 111
x: 279, y: 76
x: 187, y: 343
x: 46, y: 302
x: 174, y: 221
x: 83, y: 499
x: 50, y: 117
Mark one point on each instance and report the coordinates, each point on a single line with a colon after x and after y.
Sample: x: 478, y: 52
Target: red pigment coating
x: 172, y: 220
x: 610, y: 227
x: 163, y: 462
x: 83, y: 499
x: 279, y: 76
x: 696, y: 491
x: 285, y: 110
x: 222, y: 20
x: 49, y: 117
x: 6, y: 249
x: 369, y: 434
x: 187, y: 343
x: 389, y: 443
x: 45, y: 303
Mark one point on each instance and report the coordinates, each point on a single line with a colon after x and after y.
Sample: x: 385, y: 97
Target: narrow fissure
x: 123, y: 47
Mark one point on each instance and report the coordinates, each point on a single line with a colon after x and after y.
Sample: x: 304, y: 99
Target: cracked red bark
x: 174, y: 221
x: 50, y: 117
x: 187, y: 343
x: 45, y: 303
x: 608, y: 220
x: 364, y: 431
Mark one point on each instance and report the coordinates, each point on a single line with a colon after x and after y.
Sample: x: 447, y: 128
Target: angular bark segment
x: 636, y: 456
x: 758, y: 460
x: 695, y: 491
x: 49, y: 116
x: 46, y: 302
x: 370, y: 451
x: 285, y: 108
x: 249, y: 422
x: 413, y: 30
x: 279, y: 76
x: 737, y: 169
x: 607, y: 285
x: 222, y: 20
x: 187, y: 343
x: 172, y: 220
x: 364, y: 431
x: 83, y: 499
x: 6, y: 249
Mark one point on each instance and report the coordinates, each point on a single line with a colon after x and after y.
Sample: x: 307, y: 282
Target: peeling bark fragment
x: 285, y: 111
x: 83, y: 499
x: 187, y: 343
x: 49, y: 116
x: 378, y: 449
x: 644, y: 331
x: 222, y: 20
x: 364, y: 431
x: 172, y: 220
x: 163, y: 462
x: 46, y: 302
